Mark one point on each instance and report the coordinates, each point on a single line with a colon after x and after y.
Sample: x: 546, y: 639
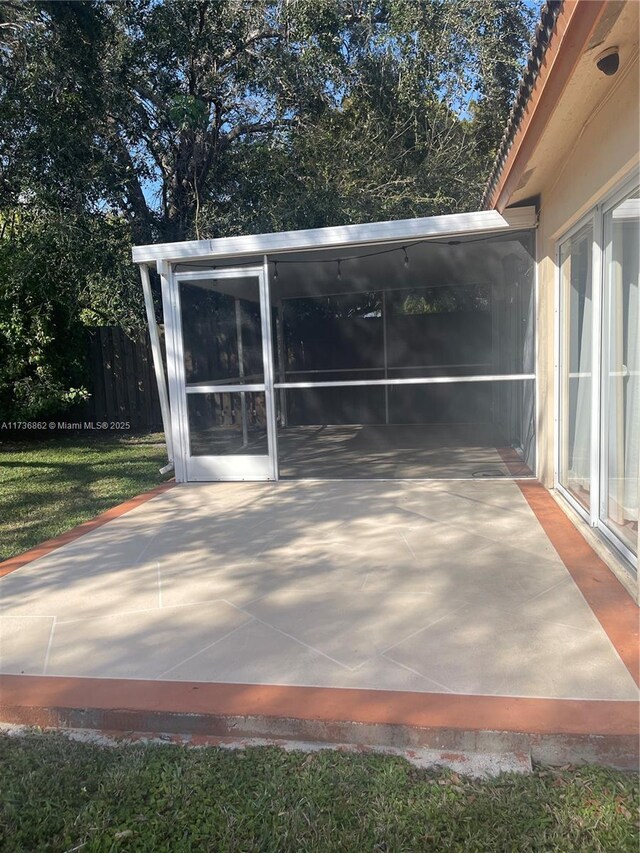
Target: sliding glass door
x: 598, y: 461
x: 620, y: 460
x: 576, y: 357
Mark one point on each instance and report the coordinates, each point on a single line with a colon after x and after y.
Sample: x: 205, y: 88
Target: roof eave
x: 565, y: 45
x: 335, y: 237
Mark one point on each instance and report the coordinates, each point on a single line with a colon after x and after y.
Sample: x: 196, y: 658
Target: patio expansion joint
x: 552, y: 587
x: 47, y: 653
x: 409, y: 548
x: 151, y: 539
x: 421, y: 515
x: 423, y: 628
x: 204, y: 649
x: 556, y: 559
x: 420, y: 675
x: 525, y: 510
x: 291, y: 637
x: 5, y: 615
x: 116, y: 613
x: 377, y: 656
x: 597, y: 629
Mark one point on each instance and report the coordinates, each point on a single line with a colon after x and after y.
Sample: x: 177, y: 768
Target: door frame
x: 211, y: 468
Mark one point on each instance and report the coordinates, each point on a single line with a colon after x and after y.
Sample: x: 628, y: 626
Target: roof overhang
x: 574, y: 28
x: 450, y: 225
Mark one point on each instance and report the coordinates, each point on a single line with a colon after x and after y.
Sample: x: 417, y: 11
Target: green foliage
x: 58, y: 273
x: 139, y: 120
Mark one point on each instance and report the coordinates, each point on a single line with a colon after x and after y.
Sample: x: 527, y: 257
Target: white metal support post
x: 267, y: 353
x: 156, y: 353
x: 172, y: 331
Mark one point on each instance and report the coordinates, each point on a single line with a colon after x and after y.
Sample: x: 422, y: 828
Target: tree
x: 141, y: 120
x: 153, y: 110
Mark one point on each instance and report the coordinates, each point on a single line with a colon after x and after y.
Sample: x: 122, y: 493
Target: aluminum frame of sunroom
x: 250, y: 262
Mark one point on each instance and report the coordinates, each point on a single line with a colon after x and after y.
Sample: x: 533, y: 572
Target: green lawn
x: 50, y: 485
x: 61, y: 795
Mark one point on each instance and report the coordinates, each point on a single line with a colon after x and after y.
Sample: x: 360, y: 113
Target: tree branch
x: 252, y: 38
x: 258, y: 127
x: 133, y: 190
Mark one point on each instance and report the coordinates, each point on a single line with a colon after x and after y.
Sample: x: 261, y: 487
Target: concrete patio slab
x: 424, y: 586
x: 515, y: 655
x: 24, y: 642
x: 456, y: 589
x: 136, y: 644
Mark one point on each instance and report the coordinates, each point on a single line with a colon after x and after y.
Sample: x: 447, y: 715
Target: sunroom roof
x: 449, y: 225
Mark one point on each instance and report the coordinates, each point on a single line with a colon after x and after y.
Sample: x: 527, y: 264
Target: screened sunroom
x: 393, y: 350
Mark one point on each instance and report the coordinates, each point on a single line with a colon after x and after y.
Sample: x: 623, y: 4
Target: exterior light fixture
x: 608, y: 61
x: 406, y: 257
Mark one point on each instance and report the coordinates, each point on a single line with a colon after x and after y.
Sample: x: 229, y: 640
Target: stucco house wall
x: 604, y: 151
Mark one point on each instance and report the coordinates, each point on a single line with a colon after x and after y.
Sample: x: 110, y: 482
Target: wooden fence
x: 122, y: 380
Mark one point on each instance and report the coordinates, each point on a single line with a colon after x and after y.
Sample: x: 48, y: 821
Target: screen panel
x: 221, y: 331
x: 393, y: 331
x: 460, y: 310
x: 456, y: 430
x: 226, y: 424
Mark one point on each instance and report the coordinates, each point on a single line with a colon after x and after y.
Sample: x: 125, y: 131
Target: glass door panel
x: 226, y: 379
x: 576, y: 332
x: 621, y: 373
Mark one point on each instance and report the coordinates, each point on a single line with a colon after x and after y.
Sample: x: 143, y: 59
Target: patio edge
x: 552, y: 731
x: 610, y: 602
x: 49, y: 545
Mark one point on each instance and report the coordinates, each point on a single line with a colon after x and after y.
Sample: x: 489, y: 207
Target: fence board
x: 121, y: 379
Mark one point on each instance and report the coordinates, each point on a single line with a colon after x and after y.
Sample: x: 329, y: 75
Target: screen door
x: 223, y: 351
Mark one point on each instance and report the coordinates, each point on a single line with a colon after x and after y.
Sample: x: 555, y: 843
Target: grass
x: 59, y: 795
x: 50, y: 485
